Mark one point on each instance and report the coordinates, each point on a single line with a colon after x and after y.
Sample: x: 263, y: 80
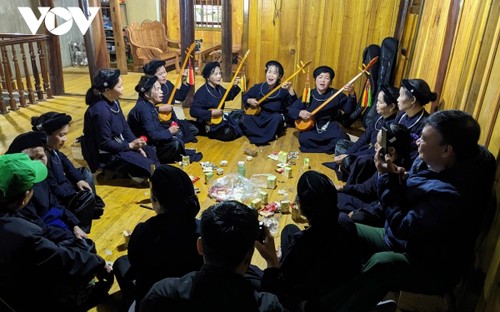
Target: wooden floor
x: 123, y: 198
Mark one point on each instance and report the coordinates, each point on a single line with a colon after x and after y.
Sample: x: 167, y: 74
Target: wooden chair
x: 149, y: 41
x: 236, y: 53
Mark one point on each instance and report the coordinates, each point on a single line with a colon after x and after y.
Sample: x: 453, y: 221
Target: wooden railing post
x: 36, y: 74
x: 29, y: 84
x: 3, y: 109
x: 19, y: 79
x: 45, y: 74
x: 8, y: 78
x: 11, y: 72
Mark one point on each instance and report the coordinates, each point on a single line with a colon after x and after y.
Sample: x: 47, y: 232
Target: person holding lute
x: 325, y: 133
x: 143, y: 121
x: 270, y: 115
x: 205, y: 107
x: 157, y: 68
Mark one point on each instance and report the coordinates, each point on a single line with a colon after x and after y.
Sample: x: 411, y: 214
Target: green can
x: 306, y: 163
x: 208, y: 177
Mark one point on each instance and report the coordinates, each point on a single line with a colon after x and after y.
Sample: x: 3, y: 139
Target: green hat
x: 19, y: 173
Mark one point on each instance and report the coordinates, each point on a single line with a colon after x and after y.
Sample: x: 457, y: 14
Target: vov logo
x: 69, y: 15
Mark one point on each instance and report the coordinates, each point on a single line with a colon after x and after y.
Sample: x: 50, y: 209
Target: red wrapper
x: 145, y: 138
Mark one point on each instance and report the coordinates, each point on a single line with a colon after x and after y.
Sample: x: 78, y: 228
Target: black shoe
x: 98, y: 212
x: 99, y: 203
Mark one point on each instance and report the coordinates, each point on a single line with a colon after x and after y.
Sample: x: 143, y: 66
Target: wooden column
x: 95, y: 39
x: 163, y: 13
x: 186, y: 11
x: 227, y: 41
x: 120, y: 50
x: 246, y: 22
x: 54, y: 55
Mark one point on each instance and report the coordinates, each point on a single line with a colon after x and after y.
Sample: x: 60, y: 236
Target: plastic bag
x: 233, y: 187
x: 260, y: 179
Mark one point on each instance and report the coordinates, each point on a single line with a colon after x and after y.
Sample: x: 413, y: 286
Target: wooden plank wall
x: 333, y: 33
x: 471, y: 84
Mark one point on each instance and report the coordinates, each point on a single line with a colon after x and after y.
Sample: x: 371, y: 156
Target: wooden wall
x: 332, y: 33
x: 471, y: 83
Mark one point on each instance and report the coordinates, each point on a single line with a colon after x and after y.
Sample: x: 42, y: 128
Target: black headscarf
x: 106, y: 78
x: 145, y: 84
x: 420, y: 90
x: 27, y: 140
x: 317, y: 196
x: 151, y: 67
x: 208, y: 69
x: 323, y: 69
x: 391, y: 93
x: 173, y: 188
x: 50, y: 122
x: 281, y: 71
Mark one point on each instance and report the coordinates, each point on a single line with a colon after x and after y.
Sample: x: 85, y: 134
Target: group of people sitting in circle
x: 403, y: 220
x: 152, y: 134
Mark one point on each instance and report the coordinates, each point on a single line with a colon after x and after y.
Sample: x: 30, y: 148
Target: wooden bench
x: 149, y: 41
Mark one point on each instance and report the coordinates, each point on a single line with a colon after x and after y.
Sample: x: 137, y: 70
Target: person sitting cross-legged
x: 108, y: 143
x: 157, y: 68
x: 144, y: 121
x: 70, y: 185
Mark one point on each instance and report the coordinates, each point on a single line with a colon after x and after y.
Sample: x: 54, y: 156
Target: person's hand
x: 79, y: 233
x: 173, y: 129
x: 217, y: 112
x: 268, y: 250
x: 165, y: 108
x: 349, y: 88
x: 185, y: 74
x: 236, y: 81
x: 137, y: 144
x: 350, y: 214
x: 253, y: 102
x: 385, y: 164
x: 288, y: 86
x: 338, y: 159
x: 82, y: 184
x: 143, y: 153
x: 108, y: 268
x: 304, y: 114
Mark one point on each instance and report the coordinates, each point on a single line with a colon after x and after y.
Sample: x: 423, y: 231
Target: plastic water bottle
x: 241, y: 168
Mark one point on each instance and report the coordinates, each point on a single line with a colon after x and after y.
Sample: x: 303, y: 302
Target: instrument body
x: 217, y: 120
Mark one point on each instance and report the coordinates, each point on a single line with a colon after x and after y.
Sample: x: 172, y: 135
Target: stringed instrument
x: 250, y: 110
x: 218, y: 120
x: 304, y: 125
x: 166, y: 116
